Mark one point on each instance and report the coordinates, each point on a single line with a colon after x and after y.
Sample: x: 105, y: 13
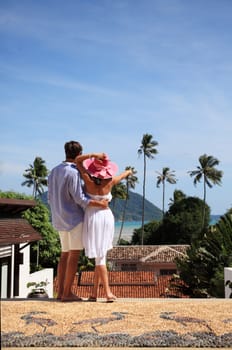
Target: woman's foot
x: 111, y: 298
x: 91, y: 298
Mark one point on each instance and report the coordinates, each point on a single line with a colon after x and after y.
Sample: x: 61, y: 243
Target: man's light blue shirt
x: 66, y: 197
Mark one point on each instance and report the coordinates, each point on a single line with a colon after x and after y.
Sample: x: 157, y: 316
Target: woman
x: 98, y: 174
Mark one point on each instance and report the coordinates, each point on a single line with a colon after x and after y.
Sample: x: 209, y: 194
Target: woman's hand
x: 100, y: 156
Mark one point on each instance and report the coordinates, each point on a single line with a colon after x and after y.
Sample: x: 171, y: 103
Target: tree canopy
x: 202, y: 270
x: 44, y: 253
x: 181, y: 224
x: 209, y: 173
x: 36, y: 176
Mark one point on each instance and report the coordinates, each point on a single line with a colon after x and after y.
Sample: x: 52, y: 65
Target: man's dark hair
x: 72, y: 149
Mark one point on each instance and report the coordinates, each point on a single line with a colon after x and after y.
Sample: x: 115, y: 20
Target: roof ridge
x: 155, y: 253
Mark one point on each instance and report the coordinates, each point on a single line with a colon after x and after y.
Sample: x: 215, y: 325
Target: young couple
x: 82, y: 216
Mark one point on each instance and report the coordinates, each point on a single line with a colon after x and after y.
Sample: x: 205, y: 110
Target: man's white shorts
x: 71, y: 240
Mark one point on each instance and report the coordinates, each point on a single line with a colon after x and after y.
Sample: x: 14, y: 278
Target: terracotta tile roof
x: 15, y: 231
x: 151, y: 253
x: 122, y: 277
x: 125, y: 284
x: 11, y: 206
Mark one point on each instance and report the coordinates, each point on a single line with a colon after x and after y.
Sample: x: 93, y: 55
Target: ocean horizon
x: 130, y: 226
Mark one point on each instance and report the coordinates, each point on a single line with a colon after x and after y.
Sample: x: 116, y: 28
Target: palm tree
x: 168, y: 176
x: 130, y: 183
x: 147, y: 148
x: 211, y: 176
x: 118, y: 191
x: 36, y: 176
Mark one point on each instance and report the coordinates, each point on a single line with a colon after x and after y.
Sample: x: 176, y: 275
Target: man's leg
x: 71, y: 269
x: 74, y: 244
x: 61, y: 271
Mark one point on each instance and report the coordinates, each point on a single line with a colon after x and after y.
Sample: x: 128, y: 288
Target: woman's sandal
x: 111, y: 300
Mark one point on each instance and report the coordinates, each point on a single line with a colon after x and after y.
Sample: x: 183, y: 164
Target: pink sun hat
x: 100, y: 168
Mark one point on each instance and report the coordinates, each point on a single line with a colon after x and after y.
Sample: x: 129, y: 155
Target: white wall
x: 24, y: 271
x: 25, y: 276
x: 227, y: 277
x: 43, y: 275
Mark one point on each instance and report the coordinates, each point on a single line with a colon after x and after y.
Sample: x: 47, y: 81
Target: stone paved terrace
x: 155, y: 323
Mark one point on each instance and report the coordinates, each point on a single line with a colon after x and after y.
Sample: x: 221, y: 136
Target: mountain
x: 133, y: 209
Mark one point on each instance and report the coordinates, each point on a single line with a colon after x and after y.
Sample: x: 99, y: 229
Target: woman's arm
x: 79, y: 161
x: 103, y: 204
x: 123, y: 175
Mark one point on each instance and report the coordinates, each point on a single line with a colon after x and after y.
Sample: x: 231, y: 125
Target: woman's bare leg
x: 103, y: 274
x: 96, y: 285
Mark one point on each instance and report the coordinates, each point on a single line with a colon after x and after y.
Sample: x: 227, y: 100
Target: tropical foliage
x: 149, y: 232
x: 202, y: 270
x: 177, y: 195
x: 118, y: 192
x: 211, y: 176
x: 85, y: 264
x: 46, y: 252
x: 181, y: 224
x: 130, y: 184
x: 36, y: 176
x: 14, y: 195
x: 166, y: 175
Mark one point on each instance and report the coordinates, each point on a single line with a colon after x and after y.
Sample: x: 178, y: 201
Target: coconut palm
x: 130, y: 183
x: 167, y: 175
x: 147, y: 148
x: 211, y: 176
x: 118, y: 191
x: 36, y: 176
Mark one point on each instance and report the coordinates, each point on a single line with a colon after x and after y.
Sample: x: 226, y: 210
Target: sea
x: 129, y: 226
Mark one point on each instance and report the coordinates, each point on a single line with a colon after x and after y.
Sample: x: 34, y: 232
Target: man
x: 68, y: 202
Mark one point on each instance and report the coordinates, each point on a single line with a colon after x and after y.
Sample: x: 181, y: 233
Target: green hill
x: 133, y: 209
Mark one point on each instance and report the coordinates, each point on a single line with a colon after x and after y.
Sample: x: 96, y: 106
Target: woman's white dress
x: 98, y: 229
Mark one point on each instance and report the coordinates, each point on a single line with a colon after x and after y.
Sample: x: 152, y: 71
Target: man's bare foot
x: 59, y: 296
x: 71, y: 297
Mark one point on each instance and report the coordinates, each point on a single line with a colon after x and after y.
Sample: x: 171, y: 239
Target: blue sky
x: 105, y: 73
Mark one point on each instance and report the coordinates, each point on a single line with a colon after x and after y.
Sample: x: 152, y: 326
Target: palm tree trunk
x: 37, y: 255
x: 204, y: 204
x: 143, y: 207
x: 113, y: 204
x: 123, y: 216
x: 163, y: 196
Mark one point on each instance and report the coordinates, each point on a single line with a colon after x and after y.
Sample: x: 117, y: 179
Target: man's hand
x: 104, y: 203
